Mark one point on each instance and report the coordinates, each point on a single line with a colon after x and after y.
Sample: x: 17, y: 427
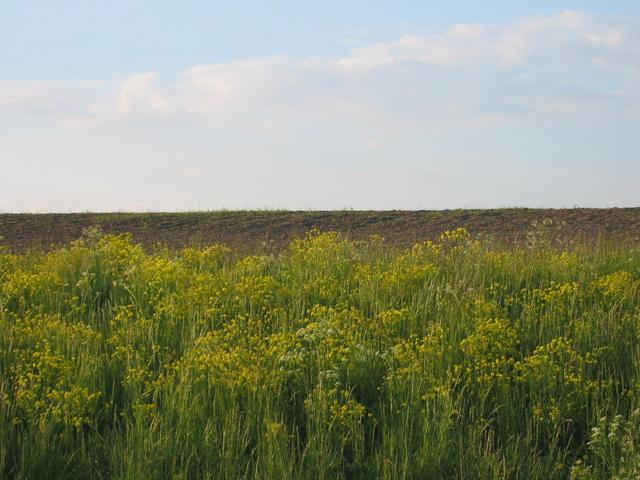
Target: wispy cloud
x: 32, y: 97
x: 566, y: 64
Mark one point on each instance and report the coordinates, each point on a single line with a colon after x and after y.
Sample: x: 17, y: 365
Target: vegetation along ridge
x: 331, y: 358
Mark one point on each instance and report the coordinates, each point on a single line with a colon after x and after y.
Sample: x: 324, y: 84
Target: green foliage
x: 332, y: 359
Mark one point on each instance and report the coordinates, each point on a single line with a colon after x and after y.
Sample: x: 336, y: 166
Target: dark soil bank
x: 271, y: 230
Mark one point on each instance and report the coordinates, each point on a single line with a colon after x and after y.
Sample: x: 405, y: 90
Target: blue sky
x: 162, y: 105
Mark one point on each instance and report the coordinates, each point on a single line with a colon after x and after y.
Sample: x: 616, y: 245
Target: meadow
x: 457, y: 358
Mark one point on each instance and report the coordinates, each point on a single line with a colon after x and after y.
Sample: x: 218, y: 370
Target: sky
x: 204, y: 105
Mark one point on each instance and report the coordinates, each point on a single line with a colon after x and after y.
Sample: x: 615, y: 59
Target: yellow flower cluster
x: 49, y: 374
x: 617, y: 284
x: 330, y: 359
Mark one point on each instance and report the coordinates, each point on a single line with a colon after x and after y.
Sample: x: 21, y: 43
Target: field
x: 329, y: 356
x: 269, y: 231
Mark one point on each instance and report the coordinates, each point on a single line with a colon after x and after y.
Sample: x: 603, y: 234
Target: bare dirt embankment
x: 259, y: 230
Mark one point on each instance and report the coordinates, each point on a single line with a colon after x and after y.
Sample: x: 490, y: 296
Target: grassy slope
x: 333, y: 359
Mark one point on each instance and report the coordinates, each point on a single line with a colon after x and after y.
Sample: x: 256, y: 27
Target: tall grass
x: 333, y: 359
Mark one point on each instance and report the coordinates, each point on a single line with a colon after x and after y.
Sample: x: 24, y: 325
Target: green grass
x: 331, y: 359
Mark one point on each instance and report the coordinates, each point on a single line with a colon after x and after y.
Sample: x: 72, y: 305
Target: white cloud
x: 141, y: 92
x: 208, y: 89
x: 138, y: 95
x: 477, y: 74
x: 29, y: 97
x: 566, y: 39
